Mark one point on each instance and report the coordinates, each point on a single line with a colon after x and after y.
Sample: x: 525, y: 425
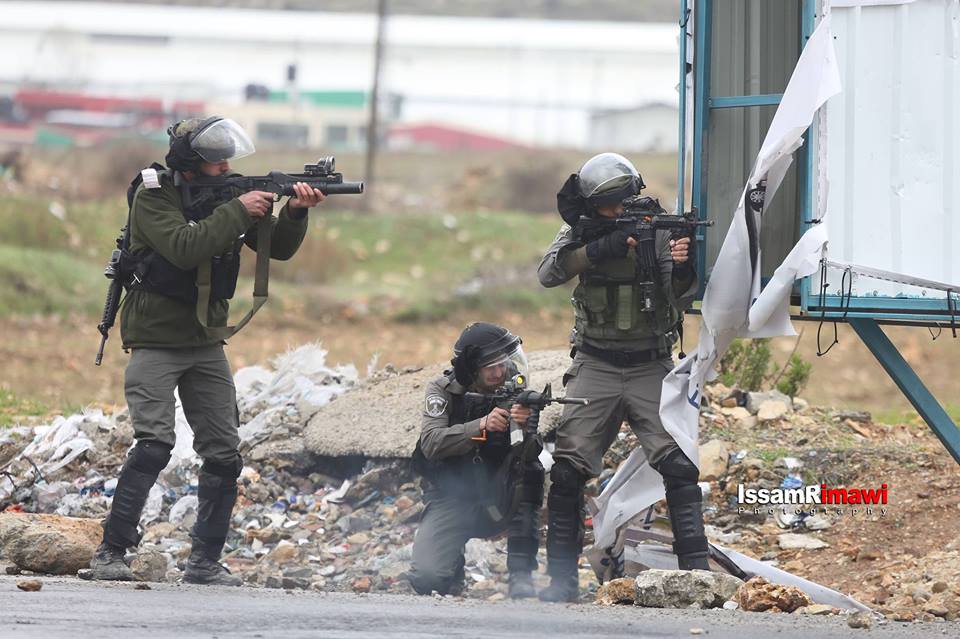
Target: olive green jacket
x: 151, y: 320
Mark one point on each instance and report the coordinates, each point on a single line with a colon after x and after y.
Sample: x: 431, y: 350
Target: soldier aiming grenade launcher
x: 126, y: 270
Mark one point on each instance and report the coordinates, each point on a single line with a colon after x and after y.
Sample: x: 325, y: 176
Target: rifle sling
x: 260, y: 282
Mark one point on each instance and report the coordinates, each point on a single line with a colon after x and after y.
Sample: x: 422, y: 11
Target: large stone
x: 772, y: 410
x: 49, y: 543
x: 684, y: 588
x: 714, y: 456
x: 754, y: 400
x: 759, y: 595
x: 617, y: 591
x: 380, y: 417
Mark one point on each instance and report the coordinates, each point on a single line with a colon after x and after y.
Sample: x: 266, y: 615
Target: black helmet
x: 214, y: 139
x: 484, y: 344
x: 607, y: 179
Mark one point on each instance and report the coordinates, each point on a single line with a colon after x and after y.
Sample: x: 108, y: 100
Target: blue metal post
x: 703, y: 15
x: 904, y: 376
x: 682, y: 146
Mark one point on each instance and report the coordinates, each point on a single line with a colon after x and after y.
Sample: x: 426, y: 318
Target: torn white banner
x: 734, y: 285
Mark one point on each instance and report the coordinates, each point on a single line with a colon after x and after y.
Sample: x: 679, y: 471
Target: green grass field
x: 411, y: 266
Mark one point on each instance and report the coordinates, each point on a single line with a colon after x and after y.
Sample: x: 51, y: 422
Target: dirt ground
x: 51, y: 359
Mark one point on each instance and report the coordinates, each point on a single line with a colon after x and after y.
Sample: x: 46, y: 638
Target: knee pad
x: 566, y: 487
x: 149, y: 457
x: 565, y: 479
x: 226, y: 470
x: 677, y: 471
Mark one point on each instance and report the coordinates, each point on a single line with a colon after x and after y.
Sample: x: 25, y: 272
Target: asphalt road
x: 73, y: 608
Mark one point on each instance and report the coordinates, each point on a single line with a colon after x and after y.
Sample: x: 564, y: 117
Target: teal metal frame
x: 862, y: 313
x: 909, y: 383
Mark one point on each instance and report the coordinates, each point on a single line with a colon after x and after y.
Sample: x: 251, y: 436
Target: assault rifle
x: 642, y: 217
x: 114, y: 291
x: 525, y: 444
x: 514, y: 391
x: 203, y: 189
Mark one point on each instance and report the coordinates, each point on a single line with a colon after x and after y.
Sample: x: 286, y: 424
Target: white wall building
x: 534, y: 81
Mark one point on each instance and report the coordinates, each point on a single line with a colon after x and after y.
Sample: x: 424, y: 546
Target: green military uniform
x: 169, y: 346
x: 460, y: 485
x: 622, y: 355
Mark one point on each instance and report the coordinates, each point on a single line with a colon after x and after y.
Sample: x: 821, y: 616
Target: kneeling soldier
x: 463, y: 445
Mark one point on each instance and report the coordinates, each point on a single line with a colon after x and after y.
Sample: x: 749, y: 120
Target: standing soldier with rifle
x: 178, y: 260
x: 633, y: 288
x: 478, y: 456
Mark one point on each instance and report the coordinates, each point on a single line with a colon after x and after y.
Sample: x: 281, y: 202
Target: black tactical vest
x: 470, y: 474
x: 150, y: 271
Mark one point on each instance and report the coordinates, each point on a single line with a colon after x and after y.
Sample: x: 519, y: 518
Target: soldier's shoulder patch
x: 435, y: 405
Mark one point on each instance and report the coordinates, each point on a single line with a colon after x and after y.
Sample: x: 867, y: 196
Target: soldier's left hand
x: 519, y: 414
x: 305, y: 196
x: 680, y: 250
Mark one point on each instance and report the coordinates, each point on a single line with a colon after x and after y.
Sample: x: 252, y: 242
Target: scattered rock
x: 772, y: 410
x: 795, y: 541
x: 29, y: 585
x: 142, y: 586
x: 684, y: 588
x: 759, y: 595
x: 939, y: 586
x: 756, y: 400
x: 860, y: 620
x: 150, y: 566
x: 617, y: 591
x: 697, y: 631
x: 363, y: 584
x: 714, y: 456
x: 817, y: 609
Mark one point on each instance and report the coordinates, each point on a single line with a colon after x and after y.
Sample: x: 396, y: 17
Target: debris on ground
x: 29, y: 585
x: 328, y: 502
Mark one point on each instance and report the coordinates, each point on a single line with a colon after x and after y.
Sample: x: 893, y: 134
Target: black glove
x: 465, y: 365
x: 609, y: 246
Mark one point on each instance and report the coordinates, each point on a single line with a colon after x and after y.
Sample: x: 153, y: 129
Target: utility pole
x: 372, y: 125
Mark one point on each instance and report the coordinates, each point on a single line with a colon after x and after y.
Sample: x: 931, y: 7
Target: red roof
x: 446, y: 138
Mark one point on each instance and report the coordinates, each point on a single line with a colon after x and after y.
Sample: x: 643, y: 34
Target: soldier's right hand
x: 496, y: 421
x: 612, y: 245
x: 257, y: 203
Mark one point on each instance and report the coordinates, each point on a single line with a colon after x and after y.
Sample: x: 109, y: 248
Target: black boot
x: 521, y: 585
x: 204, y: 567
x: 690, y: 540
x: 564, y: 533
x: 121, y: 526
x: 216, y: 495
x: 108, y: 564
x: 523, y: 540
x: 684, y: 499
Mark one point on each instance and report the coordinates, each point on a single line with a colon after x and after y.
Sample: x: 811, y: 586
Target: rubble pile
x: 341, y: 517
x: 327, y: 500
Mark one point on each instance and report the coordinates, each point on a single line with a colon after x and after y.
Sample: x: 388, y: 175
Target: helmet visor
x: 223, y: 140
x: 608, y: 174
x: 514, y: 361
